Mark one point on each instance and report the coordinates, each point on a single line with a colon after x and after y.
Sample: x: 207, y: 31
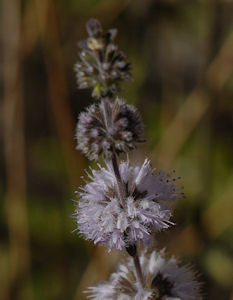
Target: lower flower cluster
x: 164, y: 279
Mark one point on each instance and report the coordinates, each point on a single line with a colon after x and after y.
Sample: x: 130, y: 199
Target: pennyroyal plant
x: 121, y: 204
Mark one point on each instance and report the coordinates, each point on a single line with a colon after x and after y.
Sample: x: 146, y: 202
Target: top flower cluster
x: 101, y: 66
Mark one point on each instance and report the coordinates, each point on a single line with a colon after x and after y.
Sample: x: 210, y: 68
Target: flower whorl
x: 164, y: 279
x: 102, y: 217
x: 101, y: 65
x: 108, y: 126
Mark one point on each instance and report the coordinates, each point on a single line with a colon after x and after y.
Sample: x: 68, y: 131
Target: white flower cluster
x: 164, y: 279
x: 102, y: 217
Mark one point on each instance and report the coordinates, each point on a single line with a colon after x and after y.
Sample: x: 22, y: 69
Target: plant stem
x: 138, y: 268
x: 122, y: 195
x: 120, y: 186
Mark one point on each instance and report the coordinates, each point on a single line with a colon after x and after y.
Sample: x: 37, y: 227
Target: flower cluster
x: 101, y: 65
x: 103, y: 217
x: 109, y: 127
x: 164, y: 279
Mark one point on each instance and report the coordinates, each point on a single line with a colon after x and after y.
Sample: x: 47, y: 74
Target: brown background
x: 182, y: 56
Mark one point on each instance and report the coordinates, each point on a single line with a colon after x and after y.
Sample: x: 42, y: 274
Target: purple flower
x: 109, y: 127
x: 149, y: 194
x: 164, y: 279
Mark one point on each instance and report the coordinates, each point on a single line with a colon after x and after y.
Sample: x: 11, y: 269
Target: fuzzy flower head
x: 102, y: 217
x: 101, y: 66
x: 164, y: 279
x: 108, y: 127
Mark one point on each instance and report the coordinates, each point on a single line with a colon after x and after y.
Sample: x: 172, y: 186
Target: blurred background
x: 182, y: 57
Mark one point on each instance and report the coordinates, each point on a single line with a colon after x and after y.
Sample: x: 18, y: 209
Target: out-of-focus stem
x: 57, y: 85
x: 14, y: 146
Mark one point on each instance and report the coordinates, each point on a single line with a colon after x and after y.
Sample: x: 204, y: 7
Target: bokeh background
x: 182, y: 56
